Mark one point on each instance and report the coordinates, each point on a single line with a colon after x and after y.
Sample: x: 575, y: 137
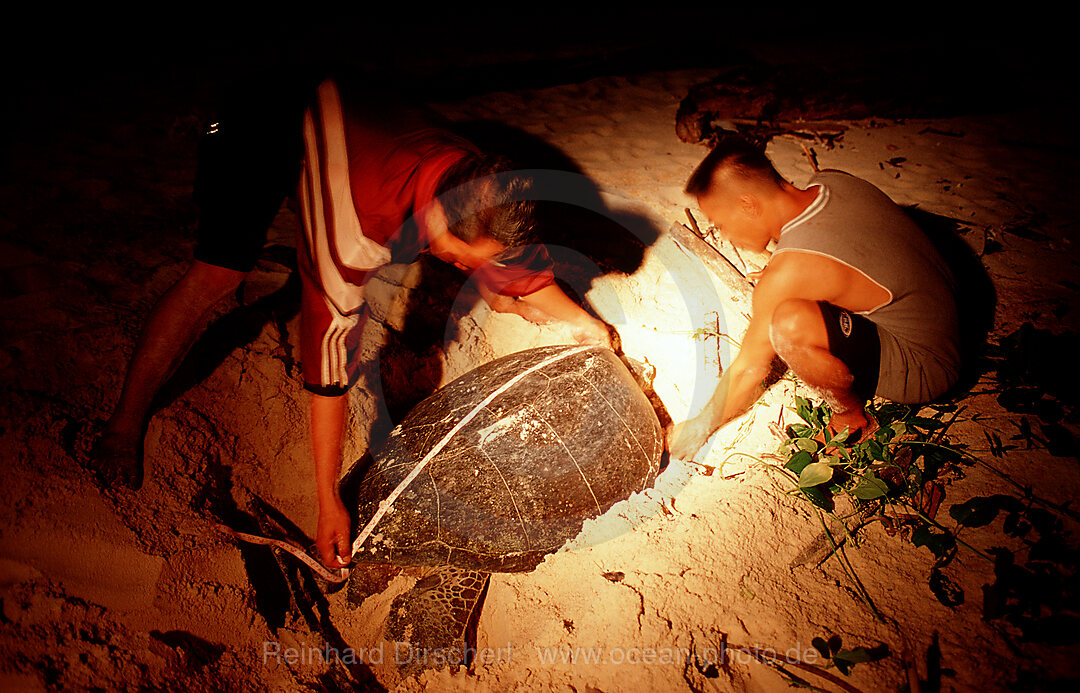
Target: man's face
x: 737, y: 219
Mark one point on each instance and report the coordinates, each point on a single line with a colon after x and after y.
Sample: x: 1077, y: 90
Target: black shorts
x: 854, y: 340
x: 250, y: 157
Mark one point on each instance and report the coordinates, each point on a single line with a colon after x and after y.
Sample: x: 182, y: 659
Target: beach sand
x: 122, y: 590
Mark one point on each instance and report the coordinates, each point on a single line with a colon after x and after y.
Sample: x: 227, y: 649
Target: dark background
x: 64, y: 61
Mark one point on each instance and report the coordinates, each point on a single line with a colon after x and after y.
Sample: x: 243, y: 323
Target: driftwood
x: 759, y: 102
x: 714, y: 260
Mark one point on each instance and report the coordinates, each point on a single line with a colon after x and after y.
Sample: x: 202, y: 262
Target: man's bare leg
x: 799, y: 337
x: 171, y: 328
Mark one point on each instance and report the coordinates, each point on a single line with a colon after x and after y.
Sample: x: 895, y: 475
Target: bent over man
x: 377, y: 182
x: 855, y: 300
x: 385, y: 182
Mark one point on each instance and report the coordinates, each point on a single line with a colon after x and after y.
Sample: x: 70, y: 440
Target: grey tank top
x: 854, y: 223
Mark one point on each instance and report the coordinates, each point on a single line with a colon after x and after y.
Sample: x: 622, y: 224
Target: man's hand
x: 684, y: 440
x: 332, y: 536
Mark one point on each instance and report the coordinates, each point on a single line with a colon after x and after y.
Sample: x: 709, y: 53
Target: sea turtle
x: 493, y: 472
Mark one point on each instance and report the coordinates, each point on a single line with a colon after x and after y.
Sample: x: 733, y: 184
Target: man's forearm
x: 327, y: 428
x: 553, y: 301
x: 736, y: 393
x: 585, y: 328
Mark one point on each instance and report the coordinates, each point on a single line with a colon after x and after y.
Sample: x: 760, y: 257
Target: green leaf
x: 870, y: 487
x: 814, y: 474
x: 803, y: 408
x: 799, y: 430
x: 846, y: 659
x: 841, y: 436
x: 818, y: 497
x: 799, y: 461
x: 889, y: 413
x: 857, y: 656
x: 928, y: 424
x: 876, y: 450
x: 807, y: 444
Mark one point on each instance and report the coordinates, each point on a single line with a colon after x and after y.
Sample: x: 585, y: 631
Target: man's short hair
x: 484, y: 196
x: 734, y: 155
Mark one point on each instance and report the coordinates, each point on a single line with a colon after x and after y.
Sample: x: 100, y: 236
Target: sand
x: 120, y: 590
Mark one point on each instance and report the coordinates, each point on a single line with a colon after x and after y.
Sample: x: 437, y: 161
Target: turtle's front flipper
x: 434, y: 624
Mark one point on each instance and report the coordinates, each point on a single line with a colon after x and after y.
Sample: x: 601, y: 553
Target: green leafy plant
x: 897, y: 475
x: 895, y: 464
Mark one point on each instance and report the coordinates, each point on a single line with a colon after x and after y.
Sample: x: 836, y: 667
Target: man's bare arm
x: 509, y: 304
x: 327, y: 427
x: 743, y: 383
x: 740, y: 386
x: 586, y: 329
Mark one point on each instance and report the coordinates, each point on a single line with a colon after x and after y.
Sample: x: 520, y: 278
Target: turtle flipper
x: 434, y: 624
x: 367, y: 579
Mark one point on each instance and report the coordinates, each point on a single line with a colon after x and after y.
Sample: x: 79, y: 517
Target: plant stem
x: 850, y: 571
x: 940, y: 433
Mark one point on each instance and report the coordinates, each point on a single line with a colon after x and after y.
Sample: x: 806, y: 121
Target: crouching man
x: 855, y: 299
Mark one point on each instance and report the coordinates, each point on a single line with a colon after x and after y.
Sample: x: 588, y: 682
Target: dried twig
x: 693, y: 222
x: 811, y: 156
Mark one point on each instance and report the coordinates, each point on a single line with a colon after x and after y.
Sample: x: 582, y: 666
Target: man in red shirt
x: 382, y: 183
x: 378, y: 183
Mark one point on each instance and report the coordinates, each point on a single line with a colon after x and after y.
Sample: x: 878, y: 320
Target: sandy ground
x: 117, y: 590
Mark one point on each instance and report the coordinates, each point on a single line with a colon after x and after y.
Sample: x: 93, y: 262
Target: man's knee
x: 797, y: 323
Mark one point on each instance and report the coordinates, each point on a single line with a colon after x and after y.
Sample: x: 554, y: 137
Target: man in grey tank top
x: 855, y: 300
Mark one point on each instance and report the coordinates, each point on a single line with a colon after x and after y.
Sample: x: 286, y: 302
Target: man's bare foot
x: 117, y: 459
x: 854, y: 420
x: 857, y: 424
x: 507, y: 304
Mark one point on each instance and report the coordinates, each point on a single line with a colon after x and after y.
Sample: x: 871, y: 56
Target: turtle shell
x: 503, y: 465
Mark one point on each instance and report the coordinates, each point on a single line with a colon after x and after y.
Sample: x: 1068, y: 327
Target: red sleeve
x: 329, y: 342
x: 428, y: 176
